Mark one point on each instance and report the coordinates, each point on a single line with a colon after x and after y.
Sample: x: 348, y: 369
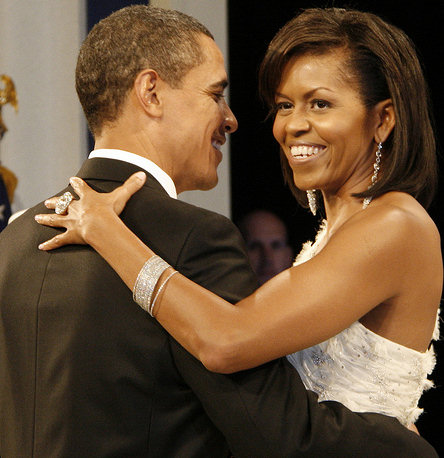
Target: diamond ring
x: 63, y: 203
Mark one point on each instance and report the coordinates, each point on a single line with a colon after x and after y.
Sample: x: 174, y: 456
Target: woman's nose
x: 297, y: 123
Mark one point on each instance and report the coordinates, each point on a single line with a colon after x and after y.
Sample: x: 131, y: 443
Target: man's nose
x: 230, y: 122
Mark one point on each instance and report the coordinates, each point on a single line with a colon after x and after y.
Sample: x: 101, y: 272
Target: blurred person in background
x: 268, y: 248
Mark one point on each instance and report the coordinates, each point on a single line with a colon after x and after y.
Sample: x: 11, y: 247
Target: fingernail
x: 42, y: 246
x: 38, y: 217
x: 73, y: 180
x: 140, y: 176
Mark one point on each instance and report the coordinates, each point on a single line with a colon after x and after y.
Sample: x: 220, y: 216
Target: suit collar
x: 115, y: 170
x: 149, y: 166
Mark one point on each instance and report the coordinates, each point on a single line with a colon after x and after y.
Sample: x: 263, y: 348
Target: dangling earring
x: 311, y: 196
x: 376, y: 167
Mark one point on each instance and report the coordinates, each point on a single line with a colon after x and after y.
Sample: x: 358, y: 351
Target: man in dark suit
x: 85, y: 372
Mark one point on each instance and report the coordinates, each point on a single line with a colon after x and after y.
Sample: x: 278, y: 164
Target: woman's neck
x: 338, y: 210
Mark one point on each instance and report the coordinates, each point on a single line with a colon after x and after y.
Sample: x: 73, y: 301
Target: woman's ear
x: 146, y: 88
x: 386, y: 119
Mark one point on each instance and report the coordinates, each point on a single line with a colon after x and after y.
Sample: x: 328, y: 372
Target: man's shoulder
x: 24, y: 221
x: 155, y: 206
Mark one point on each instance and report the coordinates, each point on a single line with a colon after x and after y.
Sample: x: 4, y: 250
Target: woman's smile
x: 305, y: 151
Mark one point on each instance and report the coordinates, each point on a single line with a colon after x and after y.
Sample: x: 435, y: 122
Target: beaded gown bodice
x: 362, y: 370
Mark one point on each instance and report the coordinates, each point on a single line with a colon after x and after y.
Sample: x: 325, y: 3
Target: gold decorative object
x: 10, y: 181
x: 7, y: 95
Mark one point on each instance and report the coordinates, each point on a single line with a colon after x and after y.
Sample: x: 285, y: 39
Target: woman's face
x: 323, y: 127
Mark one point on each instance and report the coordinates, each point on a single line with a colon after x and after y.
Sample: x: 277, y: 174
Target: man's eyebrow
x: 219, y: 84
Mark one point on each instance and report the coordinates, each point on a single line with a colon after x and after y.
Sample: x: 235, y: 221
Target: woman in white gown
x: 351, y: 115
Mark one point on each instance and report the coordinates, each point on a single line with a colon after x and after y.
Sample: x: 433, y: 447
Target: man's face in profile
x: 199, y: 119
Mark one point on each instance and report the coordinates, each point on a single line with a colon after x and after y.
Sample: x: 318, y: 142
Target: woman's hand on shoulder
x: 88, y: 215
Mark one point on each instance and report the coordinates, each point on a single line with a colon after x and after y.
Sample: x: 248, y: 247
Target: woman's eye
x: 320, y: 104
x: 283, y: 106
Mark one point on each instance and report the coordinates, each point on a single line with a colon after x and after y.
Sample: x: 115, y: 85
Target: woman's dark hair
x: 384, y: 64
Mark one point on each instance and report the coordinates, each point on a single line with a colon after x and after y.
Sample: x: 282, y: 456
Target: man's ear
x: 146, y: 88
x: 386, y: 120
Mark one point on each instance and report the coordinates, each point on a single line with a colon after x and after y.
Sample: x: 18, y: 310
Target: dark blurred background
x: 255, y: 168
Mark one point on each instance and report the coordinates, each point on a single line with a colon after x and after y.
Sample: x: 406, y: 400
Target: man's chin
x: 210, y: 186
x: 201, y: 185
x: 208, y: 183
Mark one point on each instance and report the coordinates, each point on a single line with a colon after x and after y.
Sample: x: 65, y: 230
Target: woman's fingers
x: 125, y: 191
x: 51, y: 203
x: 120, y: 195
x: 60, y: 240
x: 135, y: 182
x: 51, y: 244
x: 71, y: 236
x: 51, y: 219
x: 79, y: 186
x: 83, y: 213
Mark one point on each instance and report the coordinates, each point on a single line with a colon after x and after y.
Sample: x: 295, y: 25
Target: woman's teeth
x: 304, y: 151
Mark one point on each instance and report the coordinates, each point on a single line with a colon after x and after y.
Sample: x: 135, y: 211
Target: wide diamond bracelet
x: 147, y: 280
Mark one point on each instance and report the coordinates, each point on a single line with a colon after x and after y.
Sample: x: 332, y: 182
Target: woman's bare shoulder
x: 407, y: 216
x: 411, y: 241
x: 397, y: 217
x: 396, y: 234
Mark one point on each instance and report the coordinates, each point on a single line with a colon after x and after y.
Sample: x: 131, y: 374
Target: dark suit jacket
x: 85, y: 372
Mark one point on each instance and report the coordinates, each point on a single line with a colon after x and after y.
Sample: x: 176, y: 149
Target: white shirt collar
x: 162, y: 177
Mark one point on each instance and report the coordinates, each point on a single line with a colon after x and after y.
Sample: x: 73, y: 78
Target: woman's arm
x: 360, y: 268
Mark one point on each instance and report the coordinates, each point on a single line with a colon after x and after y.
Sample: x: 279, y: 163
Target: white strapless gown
x: 362, y: 370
